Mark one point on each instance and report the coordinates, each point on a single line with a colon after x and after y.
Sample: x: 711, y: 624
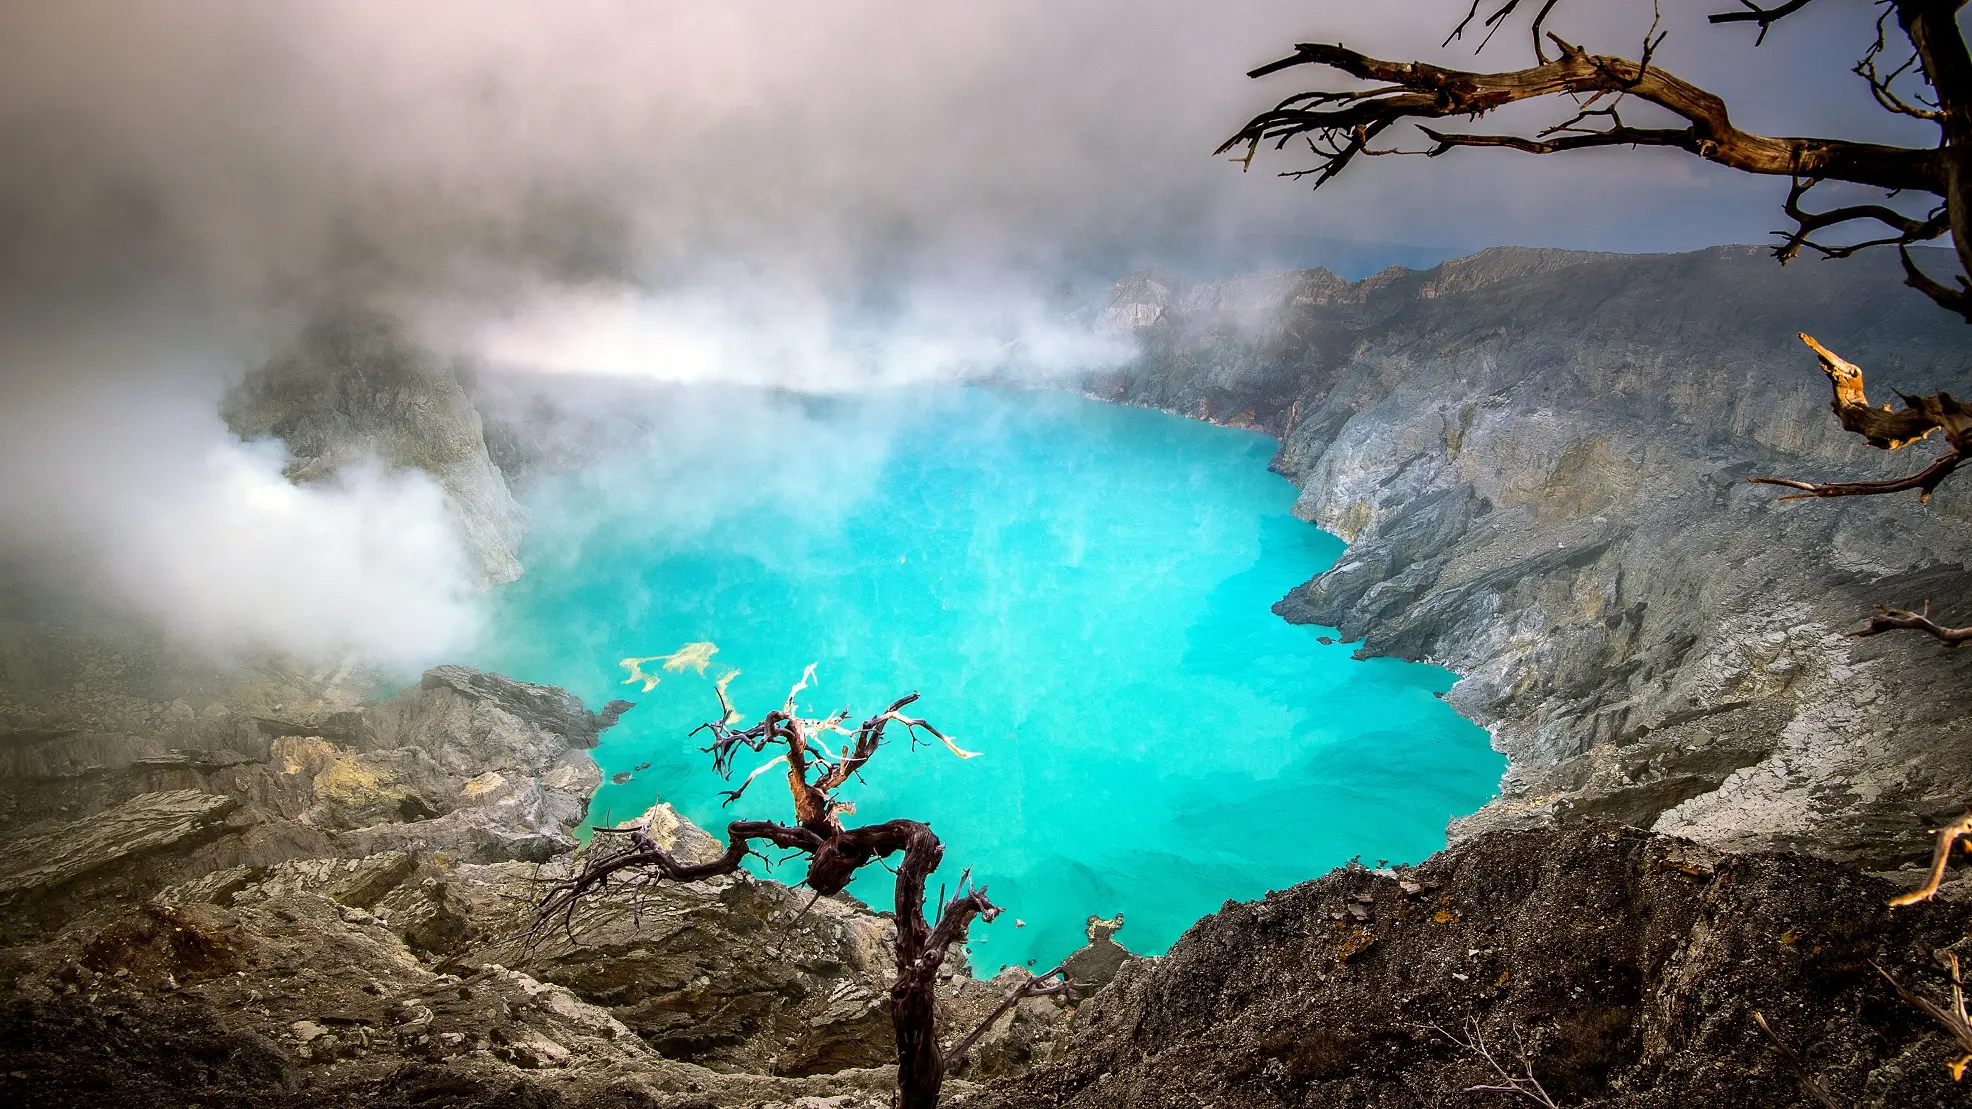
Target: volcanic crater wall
x: 1538, y: 459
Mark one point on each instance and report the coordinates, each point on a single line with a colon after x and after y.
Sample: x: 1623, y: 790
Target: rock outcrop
x: 311, y: 900
x: 355, y: 390
x: 284, y: 995
x: 1628, y: 967
x: 1538, y: 458
x: 475, y: 766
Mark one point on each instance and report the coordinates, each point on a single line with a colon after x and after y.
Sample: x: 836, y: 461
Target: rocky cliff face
x: 1538, y: 459
x: 355, y: 390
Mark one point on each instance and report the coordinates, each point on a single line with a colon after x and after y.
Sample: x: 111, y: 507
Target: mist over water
x: 1080, y: 591
x: 806, y: 197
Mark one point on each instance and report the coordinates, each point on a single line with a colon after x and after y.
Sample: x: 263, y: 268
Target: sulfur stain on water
x: 692, y: 656
x: 1081, y: 591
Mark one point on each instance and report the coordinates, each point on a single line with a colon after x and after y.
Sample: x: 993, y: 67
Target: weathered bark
x: 1932, y: 27
x: 1886, y: 429
x: 1417, y: 90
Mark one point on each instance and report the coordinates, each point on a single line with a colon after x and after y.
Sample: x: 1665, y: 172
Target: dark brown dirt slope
x: 1631, y: 965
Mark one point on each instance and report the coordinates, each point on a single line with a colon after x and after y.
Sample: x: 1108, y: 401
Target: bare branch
x: 1765, y: 17
x: 1523, y: 1084
x: 643, y: 857
x: 1953, y: 1017
x: 1887, y: 430
x: 1339, y: 125
x: 1957, y: 300
x: 1940, y: 857
x: 1419, y: 91
x: 1901, y: 619
x: 1908, y: 229
x: 1045, y: 984
x: 1925, y: 481
x: 1879, y: 82
x: 1498, y: 19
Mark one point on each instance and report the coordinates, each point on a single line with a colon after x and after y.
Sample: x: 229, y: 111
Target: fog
x: 814, y: 197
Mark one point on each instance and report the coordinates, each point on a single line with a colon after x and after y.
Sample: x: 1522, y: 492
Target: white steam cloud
x: 128, y: 483
x: 772, y: 337
x: 751, y: 191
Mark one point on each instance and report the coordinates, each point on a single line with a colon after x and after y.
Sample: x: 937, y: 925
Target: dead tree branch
x: 1765, y: 17
x: 1909, y: 229
x: 1045, y: 984
x: 1340, y: 124
x: 1810, y: 1085
x: 1901, y: 619
x: 1940, y: 858
x: 1953, y: 1017
x: 1886, y: 429
x: 1418, y: 91
x: 814, y: 771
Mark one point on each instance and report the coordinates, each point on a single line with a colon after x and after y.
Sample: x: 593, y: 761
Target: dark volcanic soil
x: 1630, y: 965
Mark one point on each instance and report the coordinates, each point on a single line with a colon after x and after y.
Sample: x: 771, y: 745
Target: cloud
x: 791, y: 195
x: 283, y: 151
x: 128, y: 487
x: 771, y: 336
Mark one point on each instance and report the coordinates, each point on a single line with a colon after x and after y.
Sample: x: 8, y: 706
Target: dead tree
x: 835, y: 853
x: 1918, y: 66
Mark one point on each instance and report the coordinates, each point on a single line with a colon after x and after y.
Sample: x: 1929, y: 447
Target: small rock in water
x: 621, y: 776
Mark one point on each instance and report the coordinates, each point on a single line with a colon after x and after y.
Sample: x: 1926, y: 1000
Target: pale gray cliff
x: 353, y: 390
x: 1539, y: 458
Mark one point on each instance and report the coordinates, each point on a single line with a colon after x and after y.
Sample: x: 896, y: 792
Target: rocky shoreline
x: 1538, y: 459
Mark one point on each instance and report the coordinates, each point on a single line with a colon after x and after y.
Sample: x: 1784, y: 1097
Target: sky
x: 809, y: 195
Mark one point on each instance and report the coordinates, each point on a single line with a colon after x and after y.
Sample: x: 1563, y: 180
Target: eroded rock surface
x: 316, y: 901
x: 1539, y: 457
x: 476, y: 766
x: 284, y: 996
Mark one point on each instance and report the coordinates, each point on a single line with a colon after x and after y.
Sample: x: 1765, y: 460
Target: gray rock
x: 734, y: 972
x: 1538, y: 459
x: 45, y: 860
x: 476, y: 766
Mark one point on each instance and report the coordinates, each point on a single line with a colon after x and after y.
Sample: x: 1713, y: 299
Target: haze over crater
x: 813, y: 198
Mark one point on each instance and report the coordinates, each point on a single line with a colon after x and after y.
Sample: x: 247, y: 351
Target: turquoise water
x: 1079, y: 590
